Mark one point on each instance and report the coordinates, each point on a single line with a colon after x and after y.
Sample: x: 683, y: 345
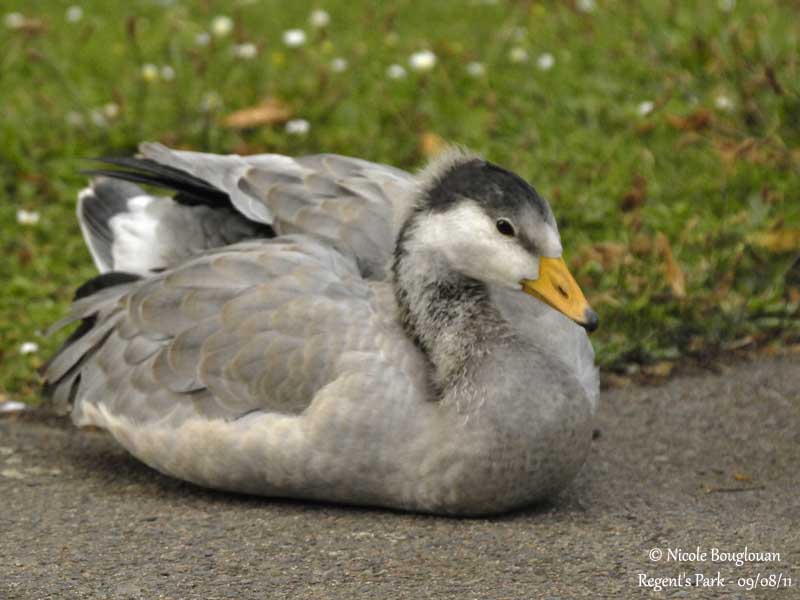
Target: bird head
x: 491, y: 225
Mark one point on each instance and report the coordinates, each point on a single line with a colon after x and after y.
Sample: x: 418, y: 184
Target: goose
x: 331, y: 329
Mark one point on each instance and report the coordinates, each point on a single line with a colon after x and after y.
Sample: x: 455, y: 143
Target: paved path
x: 710, y: 461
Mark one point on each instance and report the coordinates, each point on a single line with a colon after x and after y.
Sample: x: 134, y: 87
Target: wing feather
x: 345, y: 200
x: 248, y: 327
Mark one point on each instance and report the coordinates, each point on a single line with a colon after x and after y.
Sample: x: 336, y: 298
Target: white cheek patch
x: 469, y: 240
x: 551, y: 242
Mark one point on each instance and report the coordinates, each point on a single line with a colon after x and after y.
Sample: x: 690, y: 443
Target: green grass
x: 717, y: 159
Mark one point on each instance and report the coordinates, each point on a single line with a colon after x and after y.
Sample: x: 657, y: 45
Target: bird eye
x: 505, y: 227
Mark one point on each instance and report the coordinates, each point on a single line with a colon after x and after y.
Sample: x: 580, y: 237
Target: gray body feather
x: 293, y: 367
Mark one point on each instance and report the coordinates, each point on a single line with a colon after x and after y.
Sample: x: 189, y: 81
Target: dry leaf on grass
x: 696, y: 344
x: 24, y: 256
x: 659, y: 369
x: 739, y: 344
x: 696, y: 121
x: 635, y: 284
x: 604, y: 298
x: 614, y: 381
x: 244, y: 148
x: 431, y: 144
x: 777, y: 241
x: 690, y: 138
x: 636, y: 195
x: 606, y: 254
x: 761, y: 152
x: 673, y: 271
x: 724, y: 284
x: 731, y: 151
x: 632, y: 220
x: 770, y: 196
x: 772, y: 79
x: 269, y: 112
x: 641, y: 245
x: 30, y: 26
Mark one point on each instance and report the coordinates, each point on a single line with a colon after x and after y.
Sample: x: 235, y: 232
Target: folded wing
x: 254, y: 326
x: 354, y: 203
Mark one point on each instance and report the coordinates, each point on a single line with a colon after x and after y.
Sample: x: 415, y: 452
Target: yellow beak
x: 557, y: 287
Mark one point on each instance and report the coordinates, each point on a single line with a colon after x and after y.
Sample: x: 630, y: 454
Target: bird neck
x: 450, y: 316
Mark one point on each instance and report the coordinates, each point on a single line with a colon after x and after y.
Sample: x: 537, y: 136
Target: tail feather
x: 98, y: 297
x: 97, y: 205
x: 191, y: 190
x: 128, y: 229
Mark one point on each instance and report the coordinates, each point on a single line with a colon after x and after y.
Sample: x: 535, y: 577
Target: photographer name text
x: 714, y: 555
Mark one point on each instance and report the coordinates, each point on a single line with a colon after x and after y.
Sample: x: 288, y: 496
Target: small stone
x: 12, y: 406
x: 12, y: 474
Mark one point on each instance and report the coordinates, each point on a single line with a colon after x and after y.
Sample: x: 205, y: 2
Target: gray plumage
x: 371, y: 352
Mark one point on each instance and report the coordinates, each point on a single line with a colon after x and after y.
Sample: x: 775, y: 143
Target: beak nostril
x: 562, y: 291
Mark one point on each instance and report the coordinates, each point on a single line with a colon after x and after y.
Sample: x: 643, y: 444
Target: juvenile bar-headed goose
x: 332, y: 329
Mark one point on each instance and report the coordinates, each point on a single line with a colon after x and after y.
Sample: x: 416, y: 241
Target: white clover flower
x: 545, y: 61
x: 14, y: 20
x: 27, y: 217
x: 98, y: 118
x: 339, y: 64
x: 518, y: 34
x: 167, y: 73
x: 298, y: 127
x: 202, y: 39
x: 11, y: 406
x: 723, y: 102
x: 74, y: 14
x: 210, y: 102
x: 245, y: 51
x: 319, y: 18
x: 645, y: 108
x: 221, y: 26
x: 111, y: 110
x: 28, y: 347
x: 726, y: 5
x: 586, y: 6
x: 518, y: 55
x: 422, y: 61
x: 396, y: 72
x: 294, y: 38
x: 74, y: 119
x: 149, y: 72
x: 476, y: 69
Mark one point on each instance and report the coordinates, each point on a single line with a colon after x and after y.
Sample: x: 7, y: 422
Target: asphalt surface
x: 709, y: 461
